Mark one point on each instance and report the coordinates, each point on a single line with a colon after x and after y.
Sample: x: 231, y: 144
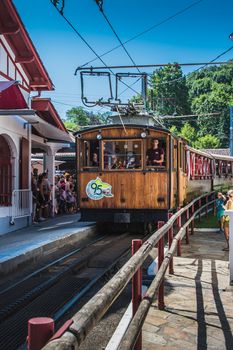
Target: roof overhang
x: 45, y: 130
x: 17, y: 37
x: 46, y: 110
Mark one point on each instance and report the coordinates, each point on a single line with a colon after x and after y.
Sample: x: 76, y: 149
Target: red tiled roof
x: 17, y: 37
x: 46, y: 110
x: 218, y: 151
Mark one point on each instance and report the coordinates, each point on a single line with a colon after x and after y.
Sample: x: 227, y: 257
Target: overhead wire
x: 100, y: 5
x: 197, y: 69
x: 146, y: 30
x: 84, y: 40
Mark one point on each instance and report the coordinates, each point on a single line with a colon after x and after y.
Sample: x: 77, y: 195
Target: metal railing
x: 21, y: 204
x: 72, y: 335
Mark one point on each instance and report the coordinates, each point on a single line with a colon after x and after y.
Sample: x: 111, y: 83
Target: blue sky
x: 197, y: 35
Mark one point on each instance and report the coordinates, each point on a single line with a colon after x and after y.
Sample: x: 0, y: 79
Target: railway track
x: 54, y: 289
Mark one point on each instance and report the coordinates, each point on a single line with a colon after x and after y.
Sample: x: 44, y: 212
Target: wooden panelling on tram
x: 131, y: 190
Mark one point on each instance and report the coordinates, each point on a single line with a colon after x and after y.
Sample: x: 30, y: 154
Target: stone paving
x: 199, y: 301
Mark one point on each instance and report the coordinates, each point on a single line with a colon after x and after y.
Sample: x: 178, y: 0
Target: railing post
x: 179, y: 241
x: 206, y: 208
x: 192, y: 223
x: 170, y: 239
x: 187, y: 228
x: 200, y: 210
x: 160, y: 260
x: 40, y: 330
x: 137, y: 289
x: 214, y: 204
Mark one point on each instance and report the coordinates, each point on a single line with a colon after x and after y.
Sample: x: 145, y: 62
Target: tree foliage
x: 203, y: 92
x: 194, y: 139
x: 170, y: 93
x: 207, y: 141
x: 77, y: 117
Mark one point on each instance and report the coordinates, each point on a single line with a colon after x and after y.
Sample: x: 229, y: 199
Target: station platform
x: 24, y: 245
x: 198, y: 310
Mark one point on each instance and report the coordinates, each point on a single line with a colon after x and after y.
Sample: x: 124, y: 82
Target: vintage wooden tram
x: 118, y: 183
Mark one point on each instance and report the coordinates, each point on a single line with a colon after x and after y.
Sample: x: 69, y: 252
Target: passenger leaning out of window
x: 155, y: 154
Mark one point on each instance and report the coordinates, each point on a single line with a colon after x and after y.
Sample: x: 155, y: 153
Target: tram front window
x: 120, y: 154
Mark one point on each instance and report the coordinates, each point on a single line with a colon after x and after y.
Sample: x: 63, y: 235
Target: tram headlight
x: 143, y: 135
x: 99, y: 136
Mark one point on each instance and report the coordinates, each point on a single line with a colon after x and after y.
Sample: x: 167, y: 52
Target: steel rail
x: 94, y: 310
x: 44, y: 268
x: 130, y: 337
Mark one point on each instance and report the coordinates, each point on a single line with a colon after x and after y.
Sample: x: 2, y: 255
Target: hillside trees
x: 170, y: 91
x: 205, y: 91
x: 211, y: 91
x: 77, y: 117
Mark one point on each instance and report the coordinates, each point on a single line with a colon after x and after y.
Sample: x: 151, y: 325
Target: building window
x: 5, y: 173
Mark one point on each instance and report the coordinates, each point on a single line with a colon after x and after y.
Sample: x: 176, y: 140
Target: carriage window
x: 156, y: 152
x: 174, y: 150
x: 120, y: 154
x: 90, y: 154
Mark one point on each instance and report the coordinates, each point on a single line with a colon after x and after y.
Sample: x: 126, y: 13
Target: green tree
x: 207, y: 141
x: 211, y: 91
x: 217, y: 101
x: 170, y: 93
x: 77, y: 117
x: 174, y: 130
x: 189, y: 133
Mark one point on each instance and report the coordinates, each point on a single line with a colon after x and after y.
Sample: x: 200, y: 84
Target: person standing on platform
x: 226, y: 218
x: 220, y: 209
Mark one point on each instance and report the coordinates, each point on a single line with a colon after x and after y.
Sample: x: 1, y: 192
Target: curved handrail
x: 86, y: 318
x: 130, y: 337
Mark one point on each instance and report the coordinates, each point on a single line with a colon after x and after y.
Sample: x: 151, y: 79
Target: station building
x: 27, y: 122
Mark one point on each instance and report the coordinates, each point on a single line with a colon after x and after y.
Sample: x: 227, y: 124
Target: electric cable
x: 100, y: 5
x: 84, y: 40
x: 196, y: 70
x: 145, y: 31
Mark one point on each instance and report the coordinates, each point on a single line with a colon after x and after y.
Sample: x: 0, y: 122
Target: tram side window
x: 174, y: 148
x: 122, y: 154
x: 156, y: 152
x: 90, y: 154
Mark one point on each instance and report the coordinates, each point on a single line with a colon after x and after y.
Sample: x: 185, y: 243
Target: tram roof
x: 109, y: 126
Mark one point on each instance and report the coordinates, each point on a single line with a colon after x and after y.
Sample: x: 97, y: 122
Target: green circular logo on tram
x: 97, y: 189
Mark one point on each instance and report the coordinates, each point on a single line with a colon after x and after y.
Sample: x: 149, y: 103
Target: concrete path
x: 21, y: 246
x: 198, y: 299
